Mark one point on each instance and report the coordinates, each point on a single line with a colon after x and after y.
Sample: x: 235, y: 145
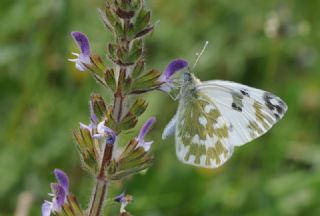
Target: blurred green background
x: 265, y: 44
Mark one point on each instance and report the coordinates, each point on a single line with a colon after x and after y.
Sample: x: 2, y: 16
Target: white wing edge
x: 170, y: 128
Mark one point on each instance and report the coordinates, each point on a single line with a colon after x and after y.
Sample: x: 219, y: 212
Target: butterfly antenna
x: 200, y: 54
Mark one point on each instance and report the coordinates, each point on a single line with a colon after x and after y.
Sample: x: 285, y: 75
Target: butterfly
x: 215, y: 116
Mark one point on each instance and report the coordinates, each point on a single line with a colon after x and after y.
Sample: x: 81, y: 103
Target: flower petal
x: 62, y: 179
x: 82, y: 42
x: 145, y: 128
x: 146, y: 145
x: 120, y: 198
x: 175, y: 66
x: 46, y: 208
x: 59, y: 196
x: 87, y: 127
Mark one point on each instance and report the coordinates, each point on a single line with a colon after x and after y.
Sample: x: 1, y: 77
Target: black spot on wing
x: 245, y: 92
x: 277, y: 109
x: 267, y: 99
x: 236, y: 107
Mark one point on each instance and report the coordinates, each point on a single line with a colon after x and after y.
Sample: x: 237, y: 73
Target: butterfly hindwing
x: 201, y: 133
x: 248, y: 112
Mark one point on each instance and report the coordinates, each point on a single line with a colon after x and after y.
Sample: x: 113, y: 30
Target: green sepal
x: 106, y: 20
x: 129, y: 57
x: 122, y: 55
x: 133, y: 159
x: 136, y: 4
x: 119, y: 30
x: 111, y: 123
x: 138, y: 107
x: 99, y: 79
x: 96, y: 68
x: 144, y: 32
x: 135, y: 52
x: 88, y: 152
x: 97, y: 62
x: 124, y: 82
x: 138, y: 69
x: 127, y: 122
x: 129, y: 30
x: 124, y: 14
x: 142, y: 20
x: 112, y: 48
x: 72, y: 200
x: 98, y: 105
x: 109, y: 79
x: 71, y: 207
x: 146, y: 82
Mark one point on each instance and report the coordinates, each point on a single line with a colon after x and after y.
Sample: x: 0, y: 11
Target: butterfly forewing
x: 202, y: 136
x: 248, y: 112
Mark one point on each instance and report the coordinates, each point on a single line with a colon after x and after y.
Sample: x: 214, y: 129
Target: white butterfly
x: 215, y: 116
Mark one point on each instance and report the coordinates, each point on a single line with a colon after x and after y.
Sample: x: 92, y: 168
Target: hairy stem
x: 99, y: 194
x: 101, y: 186
x: 118, y: 104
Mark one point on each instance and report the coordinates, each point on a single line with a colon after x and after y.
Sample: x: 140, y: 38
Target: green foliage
x: 43, y: 97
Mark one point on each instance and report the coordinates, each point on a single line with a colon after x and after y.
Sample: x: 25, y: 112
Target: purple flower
x: 82, y: 60
x: 120, y: 198
x: 124, y: 199
x: 89, y: 127
x: 143, y: 131
x: 105, y: 132
x: 167, y: 77
x: 60, y: 191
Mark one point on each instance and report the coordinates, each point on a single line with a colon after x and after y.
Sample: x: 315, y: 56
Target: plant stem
x: 98, y: 197
x: 118, y: 104
x: 101, y: 187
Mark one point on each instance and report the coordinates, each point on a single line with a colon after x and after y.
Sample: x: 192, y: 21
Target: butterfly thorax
x: 188, y: 88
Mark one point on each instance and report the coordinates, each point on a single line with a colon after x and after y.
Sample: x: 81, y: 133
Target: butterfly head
x: 189, y: 83
x: 189, y: 79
